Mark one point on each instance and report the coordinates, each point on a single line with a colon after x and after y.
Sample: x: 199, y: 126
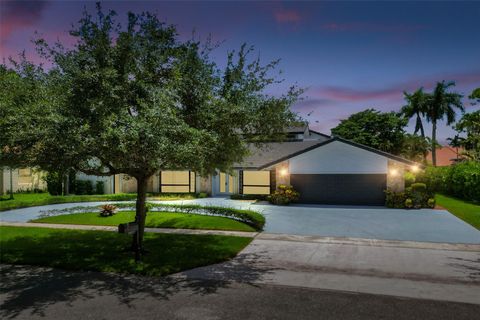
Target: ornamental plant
x: 284, y: 195
x: 108, y: 210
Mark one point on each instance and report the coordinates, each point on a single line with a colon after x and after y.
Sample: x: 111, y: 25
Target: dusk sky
x: 349, y: 55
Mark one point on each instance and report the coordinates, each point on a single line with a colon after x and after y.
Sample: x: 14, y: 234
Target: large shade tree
x: 468, y: 128
x: 440, y: 104
x: 135, y: 99
x: 383, y: 131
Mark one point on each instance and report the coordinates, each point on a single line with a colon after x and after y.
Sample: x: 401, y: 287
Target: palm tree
x: 415, y: 107
x: 441, y: 104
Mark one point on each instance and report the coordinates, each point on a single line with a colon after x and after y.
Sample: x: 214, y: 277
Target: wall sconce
x: 414, y: 168
x: 393, y: 172
x: 283, y: 172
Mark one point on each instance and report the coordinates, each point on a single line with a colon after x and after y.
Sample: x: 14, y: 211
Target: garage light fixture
x: 393, y: 172
x: 283, y: 172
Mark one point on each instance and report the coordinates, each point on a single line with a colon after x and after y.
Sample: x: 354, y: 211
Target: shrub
x: 100, y: 187
x: 54, y: 183
x: 461, y: 180
x: 107, y: 210
x: 409, y: 178
x: 284, y: 195
x: 83, y: 187
x: 201, y: 195
x: 416, y: 196
x: 409, y: 203
x: 431, y: 203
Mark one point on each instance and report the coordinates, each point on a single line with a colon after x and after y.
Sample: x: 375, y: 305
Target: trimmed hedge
x: 461, y: 180
x: 416, y: 196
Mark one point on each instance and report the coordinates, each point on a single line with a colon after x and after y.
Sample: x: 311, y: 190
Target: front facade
x: 23, y: 179
x: 323, y: 169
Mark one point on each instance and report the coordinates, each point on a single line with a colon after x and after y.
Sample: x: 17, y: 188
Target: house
x: 23, y: 179
x: 446, y: 155
x: 324, y: 169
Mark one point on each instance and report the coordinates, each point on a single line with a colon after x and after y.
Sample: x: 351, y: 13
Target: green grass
x: 466, y: 211
x: 154, y: 220
x: 23, y: 200
x: 105, y: 251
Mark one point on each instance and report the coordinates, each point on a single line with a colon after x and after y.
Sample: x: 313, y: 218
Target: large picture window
x: 177, y: 181
x: 256, y: 182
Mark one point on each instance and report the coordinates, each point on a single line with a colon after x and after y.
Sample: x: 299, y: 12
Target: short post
x: 132, y: 228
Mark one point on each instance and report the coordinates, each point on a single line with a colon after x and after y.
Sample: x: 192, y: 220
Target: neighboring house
x: 21, y: 180
x: 323, y: 169
x: 446, y: 155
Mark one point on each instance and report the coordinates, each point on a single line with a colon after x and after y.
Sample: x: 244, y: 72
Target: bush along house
x: 323, y: 169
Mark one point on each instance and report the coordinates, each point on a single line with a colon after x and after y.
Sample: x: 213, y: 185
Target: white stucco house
x: 324, y: 169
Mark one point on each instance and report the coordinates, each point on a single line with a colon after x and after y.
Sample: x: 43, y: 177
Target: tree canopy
x: 383, y: 131
x: 136, y: 99
x: 468, y: 128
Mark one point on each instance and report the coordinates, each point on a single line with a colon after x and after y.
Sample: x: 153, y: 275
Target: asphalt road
x: 41, y: 293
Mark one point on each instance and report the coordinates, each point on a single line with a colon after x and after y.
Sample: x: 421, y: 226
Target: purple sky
x: 350, y: 55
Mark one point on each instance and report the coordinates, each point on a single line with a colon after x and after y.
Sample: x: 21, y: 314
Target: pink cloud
x: 394, y: 92
x: 287, y: 16
x: 19, y: 15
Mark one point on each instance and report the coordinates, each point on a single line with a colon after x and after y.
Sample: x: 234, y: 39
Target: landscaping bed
x: 154, y: 220
x: 105, y: 251
x: 23, y: 200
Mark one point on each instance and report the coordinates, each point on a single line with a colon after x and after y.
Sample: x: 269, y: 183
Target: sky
x: 349, y: 56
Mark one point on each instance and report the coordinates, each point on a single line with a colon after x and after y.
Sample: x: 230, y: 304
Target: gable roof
x: 276, y: 152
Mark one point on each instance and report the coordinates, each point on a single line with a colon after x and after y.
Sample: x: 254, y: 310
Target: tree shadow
x: 25, y: 288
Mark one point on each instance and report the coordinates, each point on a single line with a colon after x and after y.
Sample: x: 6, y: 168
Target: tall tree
x: 415, y: 147
x: 136, y: 100
x: 468, y: 128
x: 415, y: 107
x: 442, y: 104
x: 475, y: 96
x: 383, y: 131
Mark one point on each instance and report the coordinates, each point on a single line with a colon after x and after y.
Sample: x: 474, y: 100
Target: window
x: 256, y: 182
x: 24, y: 176
x: 177, y: 181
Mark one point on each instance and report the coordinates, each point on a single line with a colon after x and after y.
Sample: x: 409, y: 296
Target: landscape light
x: 393, y: 172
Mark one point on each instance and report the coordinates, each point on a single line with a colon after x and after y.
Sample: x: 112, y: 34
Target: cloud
x: 19, y: 15
x: 393, y: 92
x: 287, y: 16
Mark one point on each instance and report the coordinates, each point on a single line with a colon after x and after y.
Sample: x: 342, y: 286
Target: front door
x: 226, y: 183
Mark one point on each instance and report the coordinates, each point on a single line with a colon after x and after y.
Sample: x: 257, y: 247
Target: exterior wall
x: 396, y: 176
x: 22, y: 179
x: 107, y: 181
x: 338, y: 158
x: 282, y: 174
x: 204, y: 184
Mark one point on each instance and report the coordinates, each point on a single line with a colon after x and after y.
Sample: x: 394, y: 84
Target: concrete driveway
x: 422, y: 225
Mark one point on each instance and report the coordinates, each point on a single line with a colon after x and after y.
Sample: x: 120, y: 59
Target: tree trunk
x: 66, y: 184
x: 434, y: 143
x: 141, y: 211
x: 11, y: 184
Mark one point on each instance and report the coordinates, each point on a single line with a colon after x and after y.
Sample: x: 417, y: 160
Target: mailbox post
x: 132, y: 228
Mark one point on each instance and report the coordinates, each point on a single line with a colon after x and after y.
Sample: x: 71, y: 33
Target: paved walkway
x: 115, y: 229
x: 424, y: 225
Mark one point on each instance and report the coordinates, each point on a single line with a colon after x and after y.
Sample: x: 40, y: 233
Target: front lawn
x: 154, y: 220
x: 22, y: 200
x: 105, y: 251
x: 466, y: 211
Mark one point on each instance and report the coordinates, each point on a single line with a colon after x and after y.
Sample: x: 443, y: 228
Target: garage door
x: 350, y: 189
